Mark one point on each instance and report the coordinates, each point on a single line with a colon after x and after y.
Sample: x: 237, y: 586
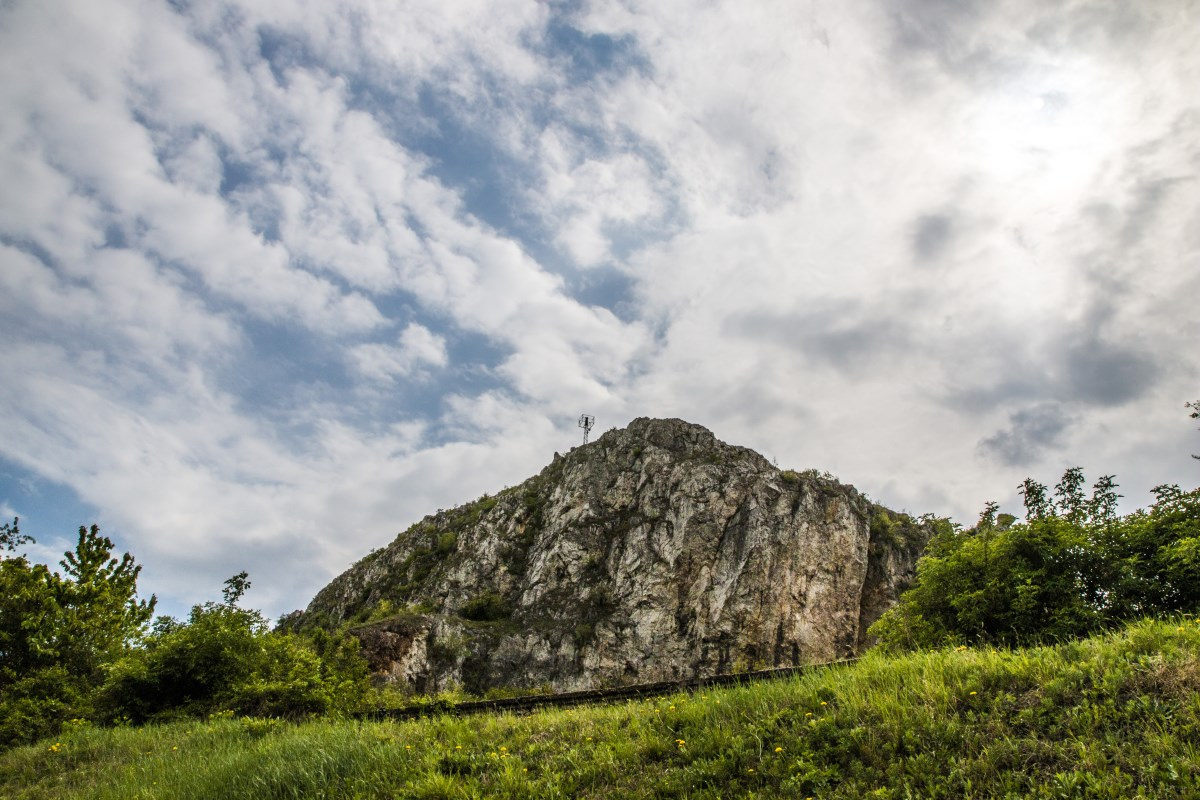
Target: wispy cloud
x: 1029, y: 433
x: 416, y: 347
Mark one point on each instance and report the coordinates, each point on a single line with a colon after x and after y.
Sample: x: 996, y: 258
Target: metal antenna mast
x: 586, y: 421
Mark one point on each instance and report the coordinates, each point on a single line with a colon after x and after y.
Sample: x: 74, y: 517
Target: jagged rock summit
x: 655, y: 552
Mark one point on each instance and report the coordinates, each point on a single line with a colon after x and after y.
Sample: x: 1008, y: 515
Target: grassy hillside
x: 1115, y: 716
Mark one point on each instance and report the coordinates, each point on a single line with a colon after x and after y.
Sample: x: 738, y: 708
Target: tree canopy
x: 78, y: 644
x: 1070, y: 568
x: 57, y: 631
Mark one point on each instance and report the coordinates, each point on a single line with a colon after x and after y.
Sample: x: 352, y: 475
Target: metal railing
x: 529, y: 703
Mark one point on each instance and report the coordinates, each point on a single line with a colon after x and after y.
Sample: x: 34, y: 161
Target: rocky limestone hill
x: 656, y: 552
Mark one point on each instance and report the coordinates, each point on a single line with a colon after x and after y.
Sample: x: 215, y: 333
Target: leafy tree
x: 58, y: 631
x: 235, y: 587
x: 1102, y: 508
x: 225, y: 657
x: 76, y: 644
x: 11, y: 537
x: 1069, y: 490
x: 1037, y: 506
x: 28, y: 609
x: 993, y: 585
x: 100, y: 614
x: 1154, y: 556
x: 1065, y: 571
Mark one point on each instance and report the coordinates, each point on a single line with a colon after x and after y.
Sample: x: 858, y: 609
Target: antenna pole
x: 586, y: 421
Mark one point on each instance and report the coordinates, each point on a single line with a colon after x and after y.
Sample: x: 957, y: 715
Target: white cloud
x: 589, y: 198
x: 415, y: 40
x: 802, y: 169
x: 78, y: 113
x: 120, y: 400
x: 125, y: 296
x: 417, y: 346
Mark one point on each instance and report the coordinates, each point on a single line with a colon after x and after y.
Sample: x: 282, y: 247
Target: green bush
x: 59, y: 631
x: 1111, y: 717
x: 447, y: 543
x: 1071, y: 568
x: 37, y: 704
x: 225, y: 657
x: 487, y: 607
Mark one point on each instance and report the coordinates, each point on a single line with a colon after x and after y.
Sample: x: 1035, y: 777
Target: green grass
x: 1115, y: 716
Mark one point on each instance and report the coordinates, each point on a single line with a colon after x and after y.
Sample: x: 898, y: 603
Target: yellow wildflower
x: 778, y: 749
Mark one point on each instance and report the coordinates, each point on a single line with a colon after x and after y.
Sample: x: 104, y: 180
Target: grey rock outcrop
x: 655, y: 552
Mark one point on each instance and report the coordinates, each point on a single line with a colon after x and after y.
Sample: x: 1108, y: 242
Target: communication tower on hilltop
x: 586, y: 421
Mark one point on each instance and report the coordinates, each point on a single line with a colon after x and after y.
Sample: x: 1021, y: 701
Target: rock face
x: 655, y: 552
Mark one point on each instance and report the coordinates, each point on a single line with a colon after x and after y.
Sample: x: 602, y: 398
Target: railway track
x: 640, y: 691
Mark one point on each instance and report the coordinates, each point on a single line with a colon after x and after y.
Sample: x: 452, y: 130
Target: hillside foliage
x: 77, y: 644
x: 1111, y: 717
x: 1072, y: 567
x: 225, y: 658
x: 58, y: 630
x: 79, y: 651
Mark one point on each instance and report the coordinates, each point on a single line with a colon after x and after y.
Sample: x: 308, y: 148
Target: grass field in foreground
x: 1116, y: 716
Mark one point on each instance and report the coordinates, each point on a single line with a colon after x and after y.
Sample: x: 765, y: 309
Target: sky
x: 280, y: 277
